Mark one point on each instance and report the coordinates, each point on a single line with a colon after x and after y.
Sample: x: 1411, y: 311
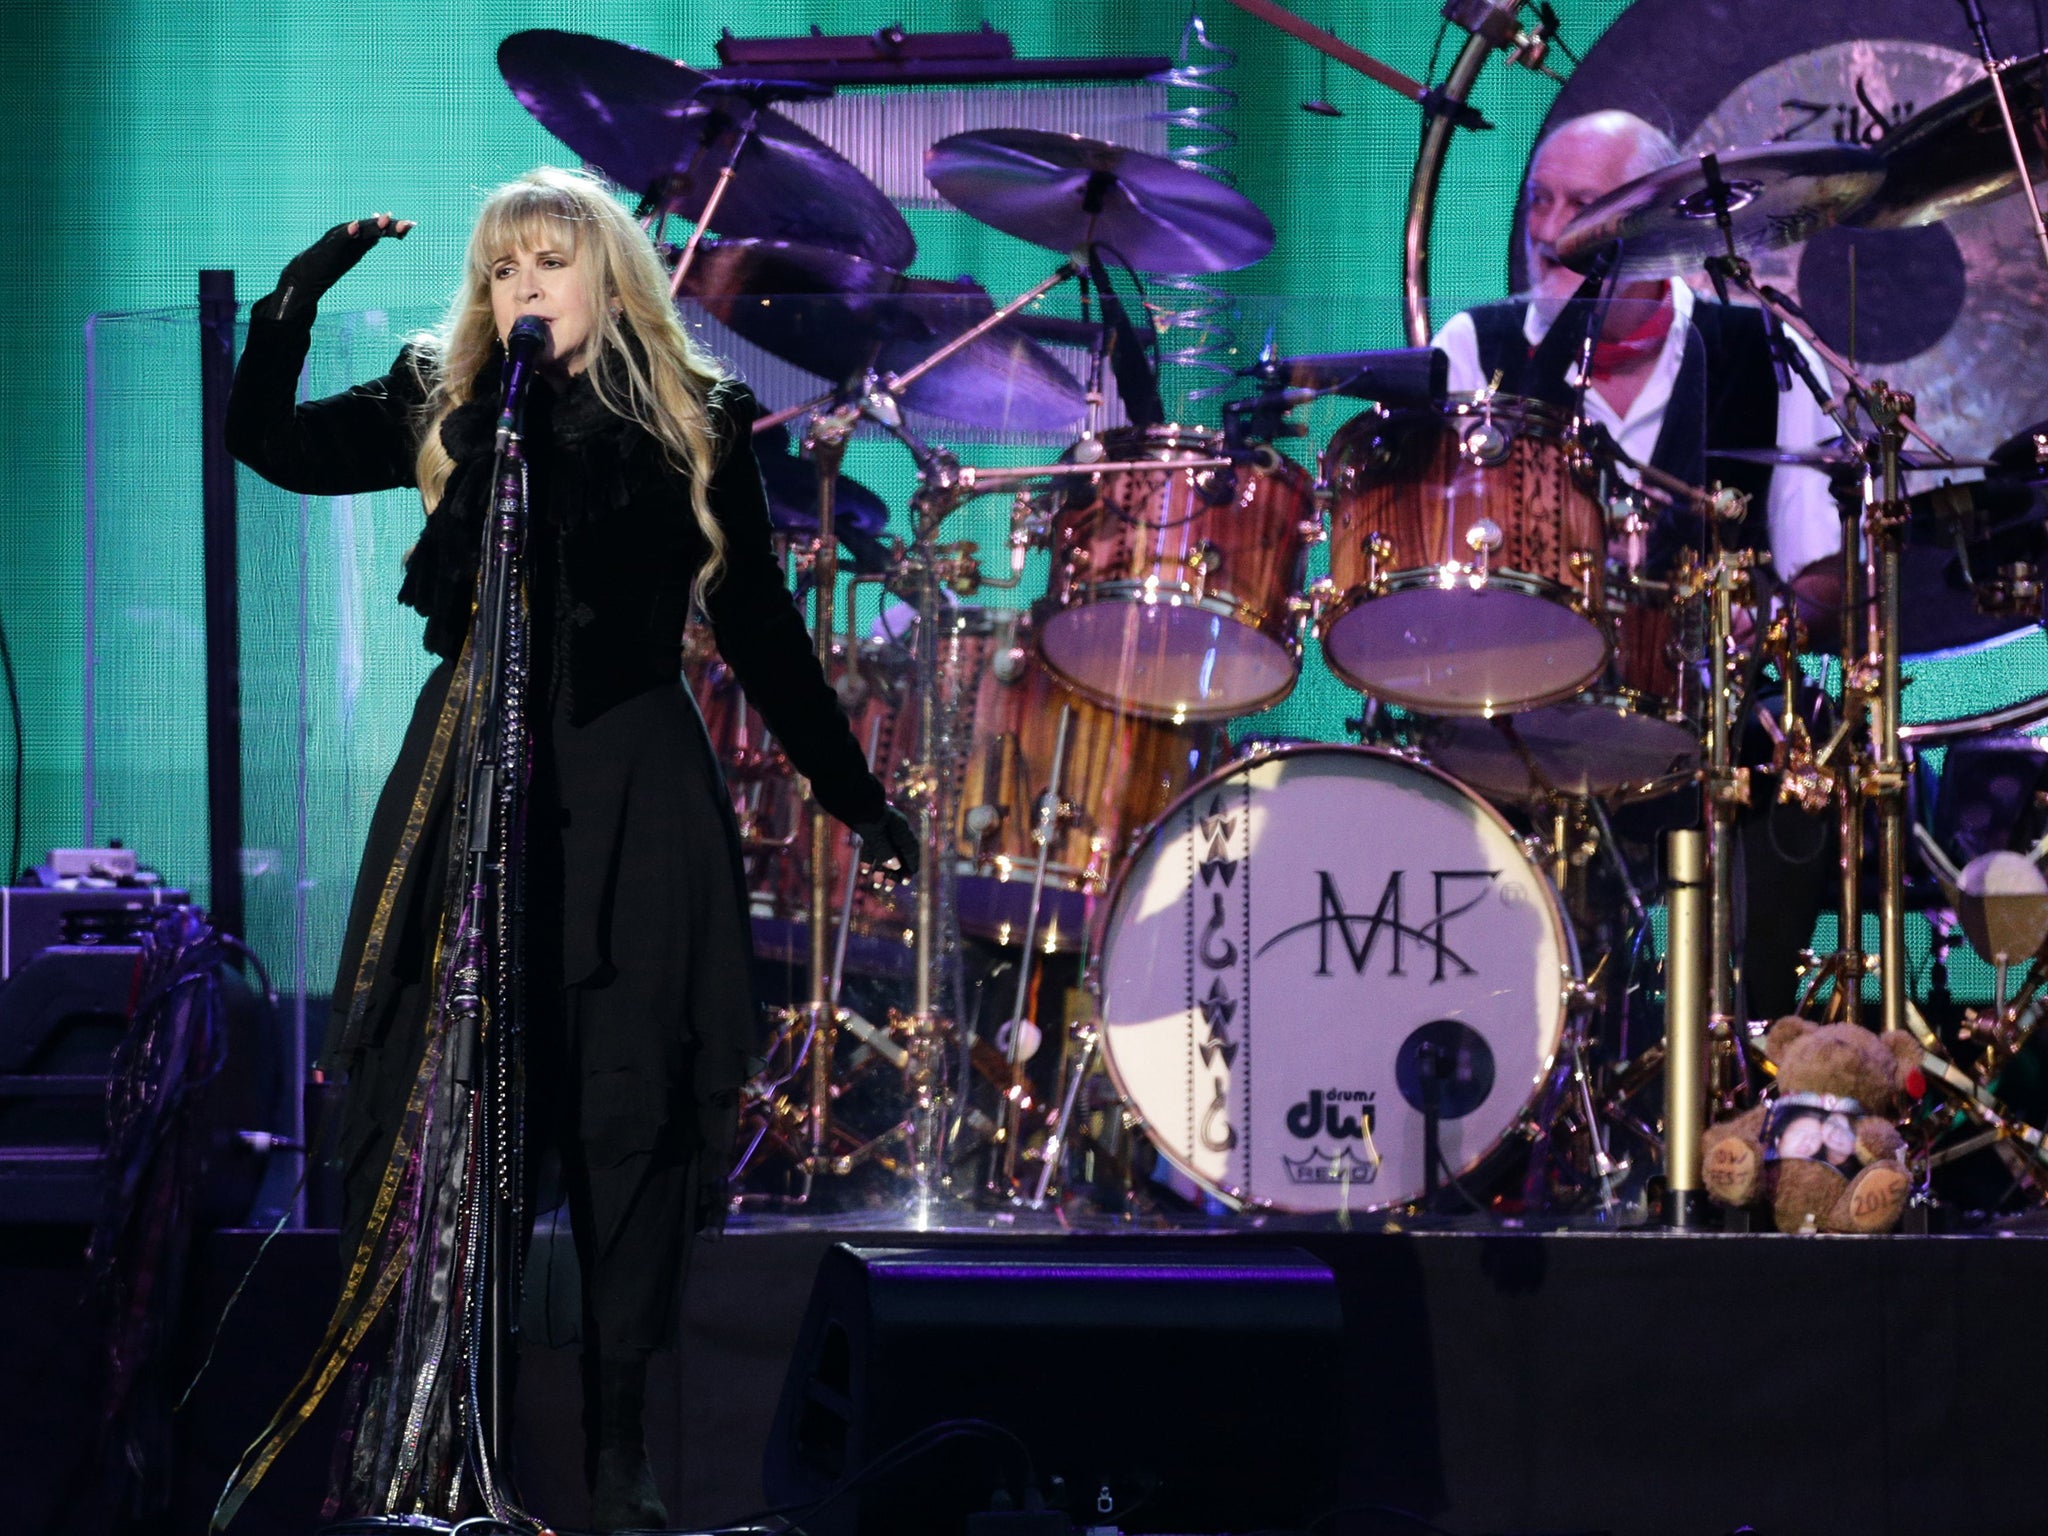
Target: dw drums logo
x: 1343, y: 1115
x: 1347, y: 1116
x: 1360, y: 933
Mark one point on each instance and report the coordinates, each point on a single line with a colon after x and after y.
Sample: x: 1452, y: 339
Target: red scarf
x: 1646, y: 340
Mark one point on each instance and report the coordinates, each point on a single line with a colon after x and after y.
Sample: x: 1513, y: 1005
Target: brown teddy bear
x: 1825, y: 1152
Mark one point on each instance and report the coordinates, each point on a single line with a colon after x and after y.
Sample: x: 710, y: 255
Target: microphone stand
x: 486, y: 998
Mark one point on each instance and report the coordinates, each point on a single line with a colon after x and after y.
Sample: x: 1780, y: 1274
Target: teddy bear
x: 1826, y: 1153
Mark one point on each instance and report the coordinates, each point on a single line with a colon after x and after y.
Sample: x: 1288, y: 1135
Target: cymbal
x: 1780, y: 194
x: 1939, y: 609
x: 2024, y: 455
x: 1974, y: 506
x: 1954, y: 154
x: 1064, y: 192
x: 653, y: 125
x: 836, y: 315
x: 1832, y: 455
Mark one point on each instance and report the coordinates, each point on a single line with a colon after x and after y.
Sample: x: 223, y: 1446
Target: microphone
x: 528, y: 343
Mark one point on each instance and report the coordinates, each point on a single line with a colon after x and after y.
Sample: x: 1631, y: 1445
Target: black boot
x: 622, y: 1492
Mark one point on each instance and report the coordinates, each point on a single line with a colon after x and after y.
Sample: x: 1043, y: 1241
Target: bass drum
x: 1306, y: 948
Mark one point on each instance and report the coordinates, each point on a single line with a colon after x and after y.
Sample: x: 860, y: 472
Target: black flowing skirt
x: 640, y: 1002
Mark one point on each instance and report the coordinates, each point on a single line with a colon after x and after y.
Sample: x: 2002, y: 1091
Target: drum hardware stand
x: 1725, y: 790
x: 1086, y: 1035
x: 1568, y: 1090
x: 1049, y: 813
x: 824, y: 441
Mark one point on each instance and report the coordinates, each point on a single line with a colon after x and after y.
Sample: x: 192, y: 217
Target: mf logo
x: 1361, y: 932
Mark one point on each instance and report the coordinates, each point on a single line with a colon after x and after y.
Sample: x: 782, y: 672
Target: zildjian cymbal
x: 1066, y: 193
x: 1775, y: 195
x: 664, y: 130
x: 1954, y: 154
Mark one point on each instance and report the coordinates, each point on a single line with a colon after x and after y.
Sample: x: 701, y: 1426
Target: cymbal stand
x: 1871, y: 680
x: 1885, y: 780
x: 825, y: 442
x: 1047, y: 815
x: 1726, y: 792
x: 1567, y: 1090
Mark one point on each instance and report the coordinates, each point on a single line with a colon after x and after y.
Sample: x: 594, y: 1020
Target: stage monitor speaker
x: 1157, y: 1388
x: 63, y: 1016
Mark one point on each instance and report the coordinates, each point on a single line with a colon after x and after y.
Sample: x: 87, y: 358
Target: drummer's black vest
x: 1725, y: 396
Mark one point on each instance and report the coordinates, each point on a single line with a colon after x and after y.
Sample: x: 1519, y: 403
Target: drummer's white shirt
x: 1804, y: 523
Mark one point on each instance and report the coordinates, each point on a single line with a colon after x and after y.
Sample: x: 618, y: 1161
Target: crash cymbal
x: 1064, y: 192
x: 1778, y: 196
x: 1954, y: 154
x: 1833, y: 455
x: 837, y: 315
x: 653, y: 125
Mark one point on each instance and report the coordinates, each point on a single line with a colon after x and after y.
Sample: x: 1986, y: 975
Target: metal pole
x: 825, y: 442
x: 1889, y: 779
x: 1045, y: 827
x: 1856, y: 587
x: 1727, y: 792
x: 219, y: 559
x: 929, y: 508
x: 688, y: 259
x: 1685, y: 1023
x: 1429, y: 169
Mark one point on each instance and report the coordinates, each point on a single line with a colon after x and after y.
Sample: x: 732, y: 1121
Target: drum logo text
x: 1361, y: 931
x: 1322, y: 1114
x: 1341, y: 1167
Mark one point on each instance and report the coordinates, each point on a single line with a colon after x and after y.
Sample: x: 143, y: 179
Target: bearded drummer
x: 1672, y: 376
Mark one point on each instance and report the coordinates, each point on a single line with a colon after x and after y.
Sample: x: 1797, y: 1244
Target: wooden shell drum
x: 1465, y: 559
x: 1172, y: 590
x: 769, y: 798
x: 1633, y: 735
x: 1116, y: 774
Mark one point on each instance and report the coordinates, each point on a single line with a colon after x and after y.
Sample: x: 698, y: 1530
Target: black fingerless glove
x: 319, y: 267
x: 889, y: 836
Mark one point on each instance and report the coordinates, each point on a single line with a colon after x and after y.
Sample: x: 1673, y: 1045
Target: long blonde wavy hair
x: 666, y: 378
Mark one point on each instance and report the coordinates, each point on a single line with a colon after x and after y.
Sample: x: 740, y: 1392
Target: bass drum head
x: 1305, y: 948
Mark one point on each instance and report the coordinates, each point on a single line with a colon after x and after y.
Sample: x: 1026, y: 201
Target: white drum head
x: 1457, y: 651
x: 1169, y: 660
x: 1295, y: 943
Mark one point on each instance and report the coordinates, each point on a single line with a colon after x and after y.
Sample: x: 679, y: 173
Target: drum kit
x: 1304, y: 977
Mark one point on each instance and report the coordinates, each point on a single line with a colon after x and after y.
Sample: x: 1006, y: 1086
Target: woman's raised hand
x: 324, y: 263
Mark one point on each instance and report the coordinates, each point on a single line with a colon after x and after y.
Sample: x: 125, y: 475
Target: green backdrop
x: 143, y: 142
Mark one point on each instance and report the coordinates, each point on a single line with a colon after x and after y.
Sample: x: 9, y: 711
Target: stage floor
x: 1493, y: 1381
